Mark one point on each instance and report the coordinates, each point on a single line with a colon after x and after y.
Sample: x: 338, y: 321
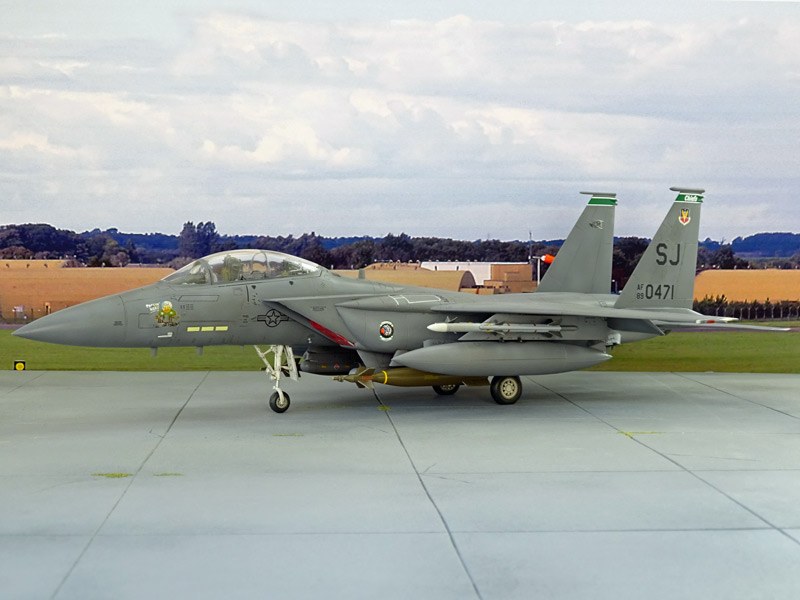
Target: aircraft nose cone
x: 97, y: 323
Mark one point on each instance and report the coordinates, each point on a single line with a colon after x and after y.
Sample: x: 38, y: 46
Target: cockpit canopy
x: 241, y: 265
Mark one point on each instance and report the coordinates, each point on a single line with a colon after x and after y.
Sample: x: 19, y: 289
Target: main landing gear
x: 279, y: 362
x: 506, y: 389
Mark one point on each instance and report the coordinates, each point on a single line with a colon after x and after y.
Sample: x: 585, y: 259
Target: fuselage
x: 225, y: 300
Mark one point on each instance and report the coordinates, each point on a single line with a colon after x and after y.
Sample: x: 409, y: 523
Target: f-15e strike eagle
x: 367, y: 332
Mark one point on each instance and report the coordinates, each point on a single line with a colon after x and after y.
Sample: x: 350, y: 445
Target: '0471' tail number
x: 649, y: 291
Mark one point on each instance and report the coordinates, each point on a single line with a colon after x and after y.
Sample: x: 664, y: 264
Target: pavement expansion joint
x: 131, y: 477
x: 438, y: 510
x: 738, y: 397
x: 681, y: 466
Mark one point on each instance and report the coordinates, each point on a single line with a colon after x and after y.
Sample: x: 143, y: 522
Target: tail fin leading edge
x: 583, y: 263
x: 664, y: 276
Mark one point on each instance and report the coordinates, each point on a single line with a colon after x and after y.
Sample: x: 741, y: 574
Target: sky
x: 469, y: 120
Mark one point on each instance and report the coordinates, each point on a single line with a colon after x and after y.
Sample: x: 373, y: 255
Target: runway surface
x: 595, y: 485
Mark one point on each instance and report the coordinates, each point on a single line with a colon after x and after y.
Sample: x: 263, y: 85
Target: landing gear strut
x: 506, y: 389
x: 279, y: 362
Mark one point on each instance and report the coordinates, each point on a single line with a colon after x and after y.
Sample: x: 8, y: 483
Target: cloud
x: 416, y: 123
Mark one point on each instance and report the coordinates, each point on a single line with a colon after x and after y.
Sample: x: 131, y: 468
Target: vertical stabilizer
x: 583, y: 263
x: 664, y: 277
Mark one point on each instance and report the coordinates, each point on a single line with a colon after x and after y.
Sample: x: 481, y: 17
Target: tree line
x: 42, y: 241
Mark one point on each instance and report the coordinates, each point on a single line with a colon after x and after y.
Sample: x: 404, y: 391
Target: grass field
x: 726, y: 351
x: 721, y: 351
x: 51, y: 357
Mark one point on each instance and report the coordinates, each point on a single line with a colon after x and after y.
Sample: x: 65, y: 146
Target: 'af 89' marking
x: 649, y: 291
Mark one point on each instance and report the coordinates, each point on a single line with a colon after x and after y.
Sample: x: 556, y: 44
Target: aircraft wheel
x: 446, y: 390
x: 278, y: 404
x: 505, y: 389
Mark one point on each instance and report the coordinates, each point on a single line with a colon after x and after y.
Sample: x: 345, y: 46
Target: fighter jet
x: 366, y: 332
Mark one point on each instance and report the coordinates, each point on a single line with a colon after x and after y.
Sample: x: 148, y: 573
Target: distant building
x: 481, y: 271
x: 413, y: 274
x: 492, y: 278
x: 500, y: 277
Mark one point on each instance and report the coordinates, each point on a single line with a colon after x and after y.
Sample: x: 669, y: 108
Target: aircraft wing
x: 672, y: 319
x: 528, y: 306
x: 715, y: 324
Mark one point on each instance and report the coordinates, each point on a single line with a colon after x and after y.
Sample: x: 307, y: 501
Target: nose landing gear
x: 279, y: 401
x: 279, y: 362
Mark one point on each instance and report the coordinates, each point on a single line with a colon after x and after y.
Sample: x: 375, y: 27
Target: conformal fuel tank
x: 501, y: 358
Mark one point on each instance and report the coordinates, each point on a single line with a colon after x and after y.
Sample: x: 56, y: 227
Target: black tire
x: 446, y: 390
x: 506, y: 389
x: 276, y: 404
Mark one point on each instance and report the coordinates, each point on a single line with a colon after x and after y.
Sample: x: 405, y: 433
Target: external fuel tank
x: 501, y: 358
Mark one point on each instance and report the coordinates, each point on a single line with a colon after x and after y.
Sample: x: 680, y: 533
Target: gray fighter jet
x: 367, y: 332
